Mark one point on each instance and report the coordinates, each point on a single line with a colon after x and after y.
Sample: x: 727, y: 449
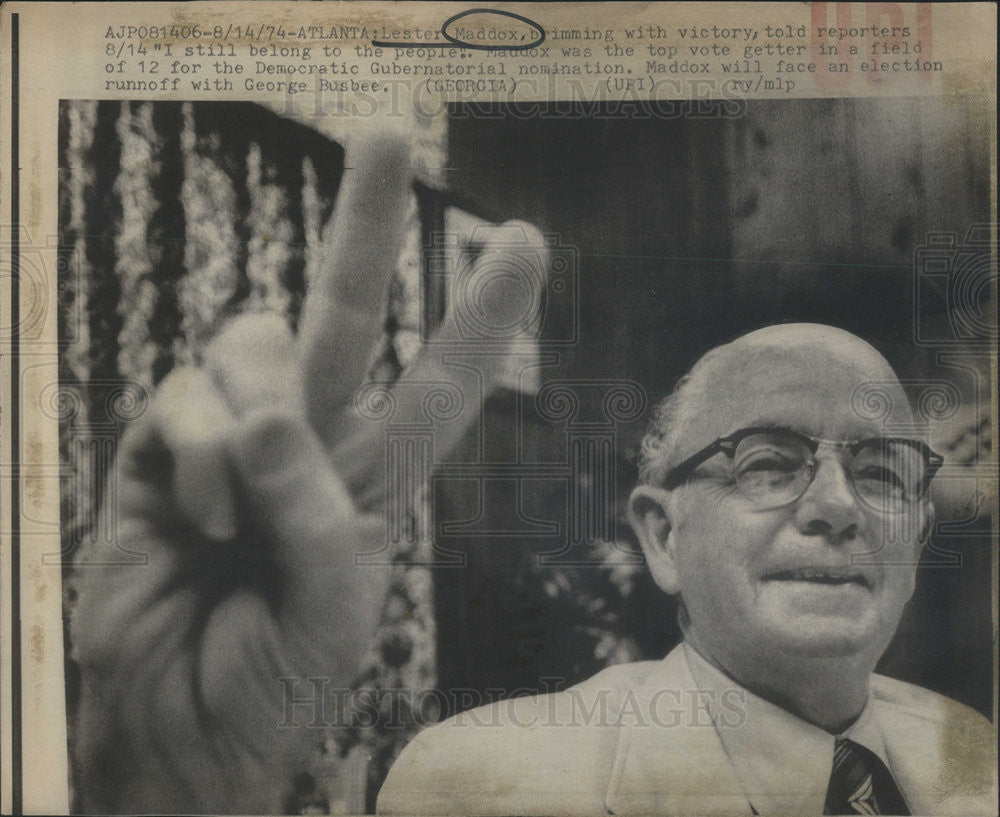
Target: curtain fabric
x: 174, y: 217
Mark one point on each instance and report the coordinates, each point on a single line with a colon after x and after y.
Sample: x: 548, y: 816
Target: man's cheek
x: 894, y: 540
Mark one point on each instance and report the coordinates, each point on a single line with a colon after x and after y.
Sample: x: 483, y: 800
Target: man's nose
x: 829, y: 506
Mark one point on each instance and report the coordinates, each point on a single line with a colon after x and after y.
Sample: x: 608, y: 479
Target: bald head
x: 798, y: 375
x: 804, y: 336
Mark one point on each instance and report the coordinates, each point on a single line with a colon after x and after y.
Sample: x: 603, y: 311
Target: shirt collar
x: 782, y: 762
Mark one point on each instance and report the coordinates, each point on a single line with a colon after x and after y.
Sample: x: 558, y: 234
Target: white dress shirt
x: 782, y: 762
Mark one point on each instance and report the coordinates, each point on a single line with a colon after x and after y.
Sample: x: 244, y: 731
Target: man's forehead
x: 800, y: 376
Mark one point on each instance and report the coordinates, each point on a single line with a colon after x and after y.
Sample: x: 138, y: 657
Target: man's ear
x: 649, y: 516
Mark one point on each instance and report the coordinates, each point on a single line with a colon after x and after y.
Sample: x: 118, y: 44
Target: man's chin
x: 826, y: 635
x: 817, y: 619
x: 823, y: 630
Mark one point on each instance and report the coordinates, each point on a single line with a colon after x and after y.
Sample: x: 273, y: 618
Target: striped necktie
x: 860, y: 783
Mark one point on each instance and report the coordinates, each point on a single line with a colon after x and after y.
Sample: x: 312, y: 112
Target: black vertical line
x: 289, y: 176
x: 104, y: 306
x: 430, y: 209
x: 231, y: 156
x: 167, y: 234
x: 432, y: 205
x: 15, y: 429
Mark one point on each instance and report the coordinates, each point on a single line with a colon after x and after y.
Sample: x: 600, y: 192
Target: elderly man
x: 790, y: 525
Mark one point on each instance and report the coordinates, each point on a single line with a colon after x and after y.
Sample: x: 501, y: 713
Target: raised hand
x: 249, y: 487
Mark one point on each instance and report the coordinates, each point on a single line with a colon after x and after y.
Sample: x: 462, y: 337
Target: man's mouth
x: 819, y: 575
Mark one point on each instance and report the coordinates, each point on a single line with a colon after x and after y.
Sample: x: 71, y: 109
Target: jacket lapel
x: 670, y: 759
x: 941, y: 772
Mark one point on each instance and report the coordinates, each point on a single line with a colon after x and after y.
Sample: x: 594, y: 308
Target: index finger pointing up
x: 344, y: 308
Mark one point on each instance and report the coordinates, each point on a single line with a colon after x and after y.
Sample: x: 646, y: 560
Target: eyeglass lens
x: 775, y: 468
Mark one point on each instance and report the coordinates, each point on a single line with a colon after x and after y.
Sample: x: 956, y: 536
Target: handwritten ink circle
x: 504, y: 47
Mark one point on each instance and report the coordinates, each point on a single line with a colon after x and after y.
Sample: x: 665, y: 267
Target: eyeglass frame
x: 683, y: 471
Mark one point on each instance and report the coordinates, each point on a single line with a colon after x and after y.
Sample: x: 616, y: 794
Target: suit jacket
x: 632, y: 741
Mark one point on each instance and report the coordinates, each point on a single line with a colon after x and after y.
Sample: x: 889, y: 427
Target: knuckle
x: 272, y: 440
x: 179, y: 384
x: 266, y: 428
x: 529, y: 234
x: 259, y: 331
x: 180, y: 396
x: 253, y: 362
x: 515, y: 247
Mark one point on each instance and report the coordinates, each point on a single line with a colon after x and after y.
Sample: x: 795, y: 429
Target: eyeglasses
x: 773, y: 467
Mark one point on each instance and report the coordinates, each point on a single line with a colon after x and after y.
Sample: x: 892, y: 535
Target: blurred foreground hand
x: 249, y: 486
